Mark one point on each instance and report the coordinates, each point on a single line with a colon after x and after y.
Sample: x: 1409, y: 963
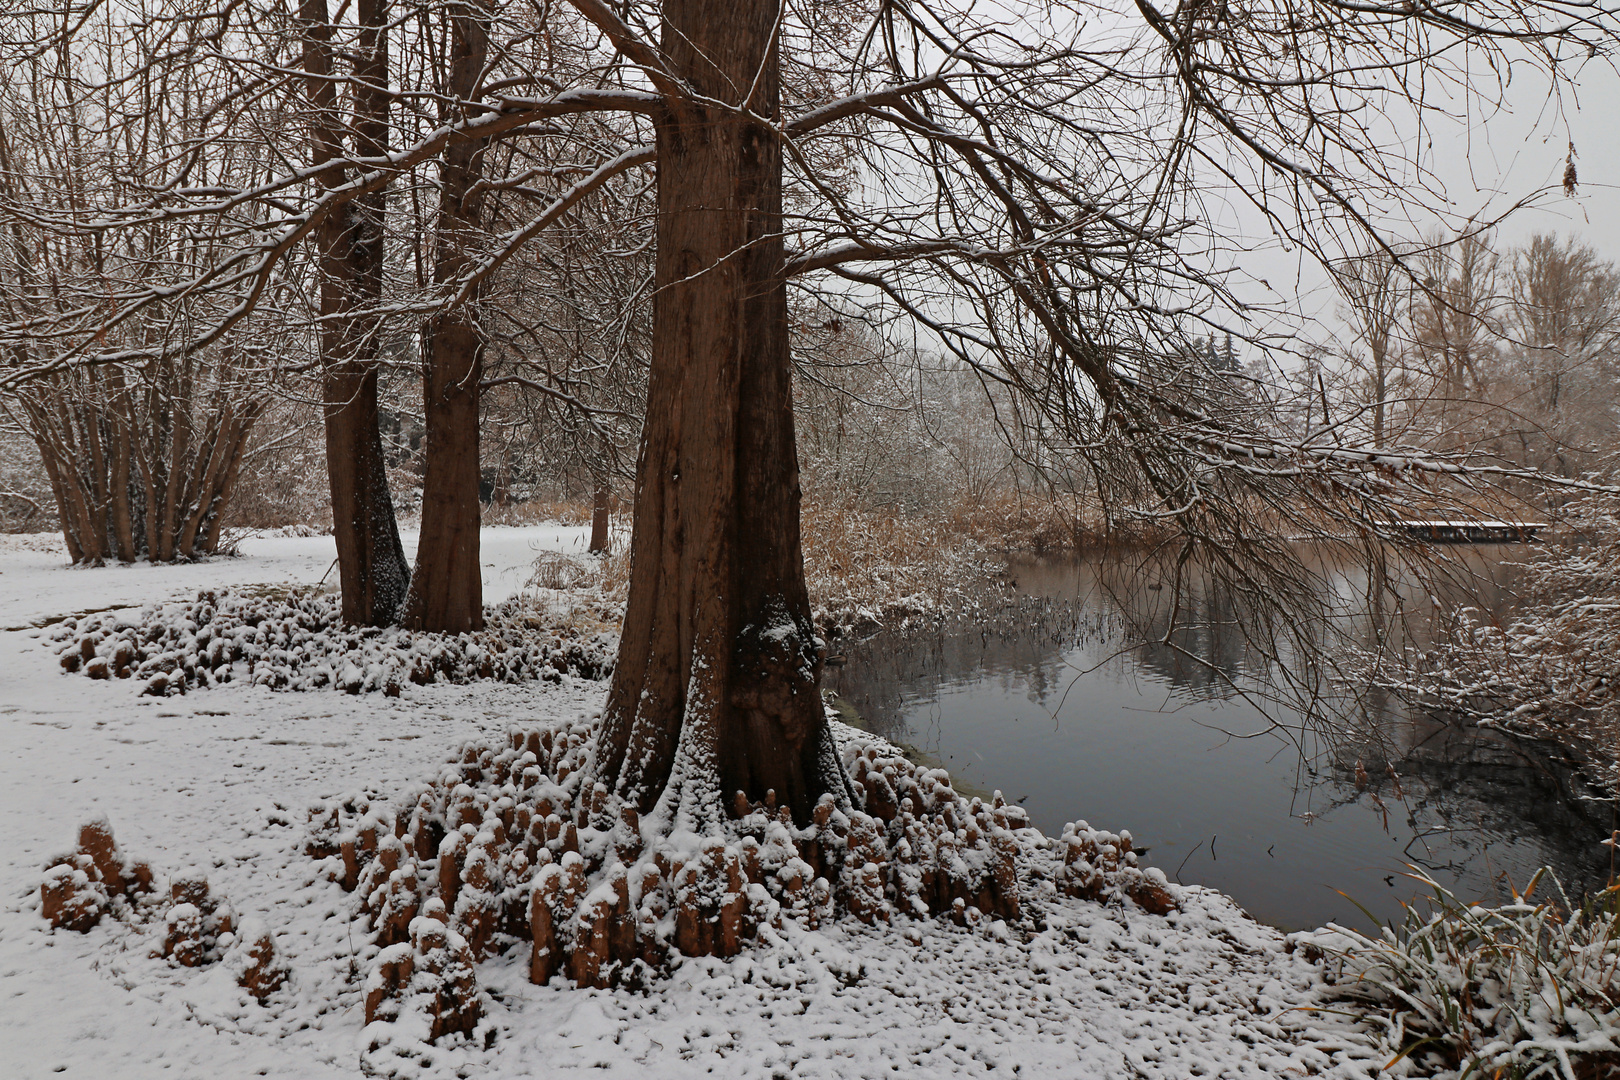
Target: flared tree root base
x: 515, y: 845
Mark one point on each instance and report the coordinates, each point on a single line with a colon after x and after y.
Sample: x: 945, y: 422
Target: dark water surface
x: 1049, y: 704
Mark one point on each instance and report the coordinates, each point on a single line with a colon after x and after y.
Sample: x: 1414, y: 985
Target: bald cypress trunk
x: 372, y: 570
x: 447, y: 588
x: 601, y: 505
x: 716, y: 685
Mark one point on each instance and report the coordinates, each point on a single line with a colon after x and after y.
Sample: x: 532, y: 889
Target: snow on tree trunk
x: 372, y: 570
x: 716, y: 686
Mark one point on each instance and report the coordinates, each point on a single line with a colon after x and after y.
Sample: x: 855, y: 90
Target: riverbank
x: 218, y: 780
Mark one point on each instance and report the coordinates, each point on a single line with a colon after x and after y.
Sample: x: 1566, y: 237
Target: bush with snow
x: 299, y: 642
x: 1515, y: 990
x: 1553, y: 670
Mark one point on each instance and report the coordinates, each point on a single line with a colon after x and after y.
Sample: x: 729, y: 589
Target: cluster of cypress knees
x: 97, y: 879
x: 514, y: 843
x: 299, y: 642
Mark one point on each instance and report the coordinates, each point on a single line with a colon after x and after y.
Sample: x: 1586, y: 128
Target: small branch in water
x: 1190, y: 854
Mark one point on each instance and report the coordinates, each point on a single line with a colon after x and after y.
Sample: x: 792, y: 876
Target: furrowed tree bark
x: 372, y: 570
x: 447, y: 590
x: 716, y: 685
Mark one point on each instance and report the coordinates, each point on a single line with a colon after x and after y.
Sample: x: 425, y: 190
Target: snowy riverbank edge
x: 218, y: 780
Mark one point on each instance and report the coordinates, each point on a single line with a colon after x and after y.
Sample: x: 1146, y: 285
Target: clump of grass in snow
x: 537, y: 512
x: 1519, y: 990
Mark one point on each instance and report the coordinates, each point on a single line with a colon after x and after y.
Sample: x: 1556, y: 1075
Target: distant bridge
x: 1472, y: 532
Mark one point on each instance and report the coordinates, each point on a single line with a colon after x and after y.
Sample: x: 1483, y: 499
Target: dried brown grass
x: 859, y: 559
x: 538, y: 512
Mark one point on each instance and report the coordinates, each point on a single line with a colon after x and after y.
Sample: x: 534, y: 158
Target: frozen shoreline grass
x: 1519, y: 990
x: 864, y: 567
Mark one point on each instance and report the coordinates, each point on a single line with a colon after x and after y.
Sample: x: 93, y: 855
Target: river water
x: 1054, y: 703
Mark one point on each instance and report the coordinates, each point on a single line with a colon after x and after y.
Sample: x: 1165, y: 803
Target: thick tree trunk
x: 716, y: 685
x: 372, y: 570
x: 447, y: 589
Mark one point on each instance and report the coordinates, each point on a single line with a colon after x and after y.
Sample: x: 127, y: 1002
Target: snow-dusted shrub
x: 1553, y: 670
x: 514, y: 842
x: 1517, y: 990
x: 299, y: 642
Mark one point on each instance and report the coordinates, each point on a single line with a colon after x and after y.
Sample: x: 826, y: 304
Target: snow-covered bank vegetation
x: 1525, y: 989
x: 1547, y: 665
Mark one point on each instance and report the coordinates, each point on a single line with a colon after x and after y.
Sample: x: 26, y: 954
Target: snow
x: 220, y: 781
x: 35, y: 585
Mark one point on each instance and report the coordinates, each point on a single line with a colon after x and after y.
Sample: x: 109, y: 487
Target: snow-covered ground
x: 219, y: 780
x: 35, y: 585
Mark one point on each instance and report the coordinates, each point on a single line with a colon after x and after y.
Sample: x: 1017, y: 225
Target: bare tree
x: 1456, y: 326
x: 142, y: 458
x: 1562, y: 353
x: 1023, y: 183
x: 1376, y: 290
x: 372, y: 570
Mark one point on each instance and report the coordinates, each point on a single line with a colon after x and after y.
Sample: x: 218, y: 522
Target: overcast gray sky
x: 1486, y: 164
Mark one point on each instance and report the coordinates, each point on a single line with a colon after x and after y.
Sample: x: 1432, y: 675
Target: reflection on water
x: 1050, y: 704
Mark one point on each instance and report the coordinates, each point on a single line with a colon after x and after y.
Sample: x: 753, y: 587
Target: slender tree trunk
x: 600, y: 506
x: 96, y: 474
x: 716, y: 685
x: 227, y: 486
x: 372, y: 569
x: 72, y: 455
x: 59, y: 472
x: 175, y: 474
x: 1380, y: 389
x: 447, y: 588
x: 122, y: 423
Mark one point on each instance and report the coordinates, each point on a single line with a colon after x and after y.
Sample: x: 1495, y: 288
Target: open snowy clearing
x: 219, y: 780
